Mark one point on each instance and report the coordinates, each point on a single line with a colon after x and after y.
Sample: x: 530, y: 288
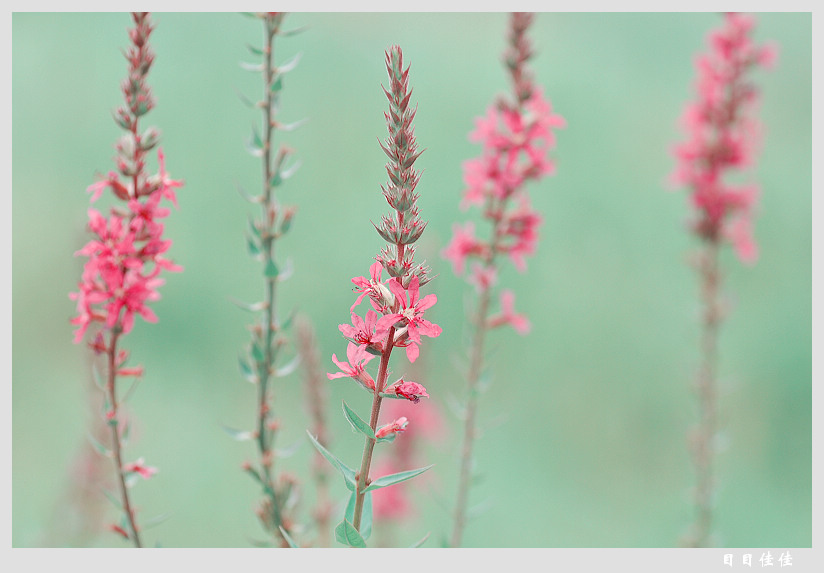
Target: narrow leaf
x: 357, y: 424
x: 257, y: 352
x: 98, y: 446
x: 287, y: 173
x: 347, y: 472
x: 246, y: 370
x: 250, y: 198
x: 366, y: 516
x: 156, y: 520
x: 346, y: 533
x: 392, y: 479
x: 288, y: 538
x: 271, y: 271
x: 288, y: 451
x: 288, y: 368
x: 290, y: 65
x: 251, y: 307
x: 252, y: 247
x: 288, y: 270
x: 239, y: 435
x: 420, y: 542
x: 292, y: 126
x: 251, y: 67
x: 277, y: 85
x: 292, y: 32
x: 116, y: 502
x: 255, y: 50
x: 245, y: 100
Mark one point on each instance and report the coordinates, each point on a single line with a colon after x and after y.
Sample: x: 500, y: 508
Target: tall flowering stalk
x: 516, y: 136
x: 268, y: 340
x: 722, y: 136
x: 126, y: 258
x: 396, y: 319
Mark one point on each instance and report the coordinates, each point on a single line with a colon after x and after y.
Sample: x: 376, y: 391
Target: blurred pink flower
x: 140, y: 468
x: 508, y: 315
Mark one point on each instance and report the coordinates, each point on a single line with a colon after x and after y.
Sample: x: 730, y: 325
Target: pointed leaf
x: 290, y: 65
x: 245, y: 100
x: 271, y: 271
x: 347, y: 472
x: 255, y: 50
x: 357, y: 424
x: 251, y: 67
x: 252, y: 247
x: 257, y: 352
x: 287, y: 173
x: 288, y: 270
x: 156, y: 520
x: 392, y: 479
x: 277, y: 84
x: 420, y: 542
x: 116, y: 502
x: 251, y: 307
x: 239, y: 435
x: 250, y: 198
x: 289, y: 368
x: 366, y: 516
x: 292, y: 32
x: 292, y: 126
x: 288, y: 451
x: 98, y: 446
x: 246, y: 370
x: 288, y: 538
x: 346, y: 533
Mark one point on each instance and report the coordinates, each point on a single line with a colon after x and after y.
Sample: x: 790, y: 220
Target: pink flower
x: 373, y: 287
x: 739, y: 232
x: 508, y: 315
x: 362, y: 331
x: 482, y: 276
x: 412, y: 391
x: 167, y: 185
x: 521, y: 225
x: 140, y: 468
x: 358, y: 358
x: 394, y: 427
x: 410, y: 315
x: 462, y: 245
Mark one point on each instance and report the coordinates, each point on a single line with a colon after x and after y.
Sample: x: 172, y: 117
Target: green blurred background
x: 587, y: 415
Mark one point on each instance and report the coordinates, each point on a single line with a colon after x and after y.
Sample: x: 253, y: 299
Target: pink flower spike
x: 358, y: 358
x: 394, y: 427
x: 462, y: 245
x: 140, y: 468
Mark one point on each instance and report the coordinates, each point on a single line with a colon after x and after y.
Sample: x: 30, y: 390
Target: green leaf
x: 250, y: 306
x: 246, y: 370
x: 358, y: 424
x: 251, y: 67
x: 250, y: 198
x: 347, y: 472
x: 271, y: 271
x: 288, y: 538
x: 366, y: 515
x: 290, y: 65
x: 254, y: 145
x: 292, y: 126
x: 346, y: 533
x: 239, y: 435
x: 116, y: 502
x: 292, y: 32
x: 255, y: 50
x: 156, y: 520
x: 101, y: 449
x: 392, y: 479
x: 419, y: 542
x: 252, y: 246
x: 277, y: 85
x: 257, y: 352
x: 245, y: 100
x: 290, y: 367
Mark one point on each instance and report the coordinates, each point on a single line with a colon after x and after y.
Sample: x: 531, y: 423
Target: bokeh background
x: 586, y: 417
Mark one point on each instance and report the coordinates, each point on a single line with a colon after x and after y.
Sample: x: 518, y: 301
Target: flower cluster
x: 126, y: 256
x: 722, y: 135
x: 516, y: 137
x: 397, y: 318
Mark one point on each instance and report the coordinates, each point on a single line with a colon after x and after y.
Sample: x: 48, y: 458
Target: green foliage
x: 347, y: 472
x: 357, y: 424
x: 392, y: 479
x: 346, y: 533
